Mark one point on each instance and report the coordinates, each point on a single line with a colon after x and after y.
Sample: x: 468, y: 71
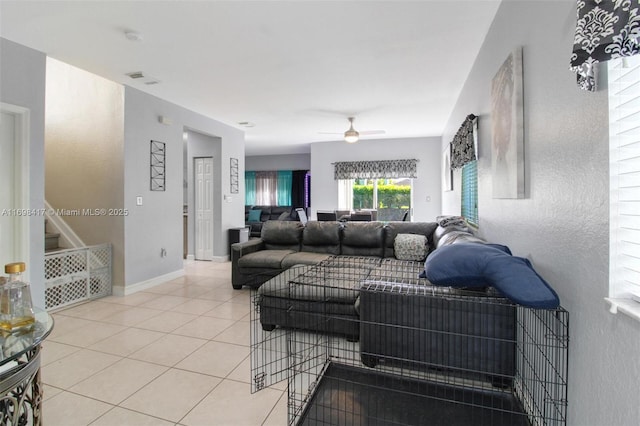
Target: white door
x: 7, y: 189
x: 203, y: 168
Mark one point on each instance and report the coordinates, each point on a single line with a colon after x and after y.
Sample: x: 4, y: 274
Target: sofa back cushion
x: 363, y: 239
x: 321, y: 237
x: 277, y: 211
x: 419, y: 228
x: 281, y: 235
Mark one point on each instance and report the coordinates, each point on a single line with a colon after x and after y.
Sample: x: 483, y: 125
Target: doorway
x: 203, y: 203
x: 14, y: 193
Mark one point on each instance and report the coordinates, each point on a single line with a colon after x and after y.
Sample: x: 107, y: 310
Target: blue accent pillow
x: 254, y: 215
x: 478, y: 265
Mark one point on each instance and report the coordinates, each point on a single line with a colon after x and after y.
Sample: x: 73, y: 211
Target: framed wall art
x: 233, y: 175
x: 157, y: 165
x: 507, y: 128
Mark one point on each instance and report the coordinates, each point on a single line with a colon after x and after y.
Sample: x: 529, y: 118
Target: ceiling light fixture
x: 351, y: 135
x: 246, y: 124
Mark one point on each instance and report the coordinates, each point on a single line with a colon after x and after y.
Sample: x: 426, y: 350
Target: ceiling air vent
x: 136, y: 74
x: 143, y: 78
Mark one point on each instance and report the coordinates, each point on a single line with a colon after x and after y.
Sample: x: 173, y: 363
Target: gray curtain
x: 383, y: 169
x: 605, y: 29
x: 266, y: 188
x: 463, y: 149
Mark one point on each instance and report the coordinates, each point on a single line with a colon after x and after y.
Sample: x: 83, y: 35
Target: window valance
x: 606, y: 29
x: 383, y: 169
x: 463, y: 148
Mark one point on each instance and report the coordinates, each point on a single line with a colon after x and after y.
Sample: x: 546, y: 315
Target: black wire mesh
x: 365, y: 341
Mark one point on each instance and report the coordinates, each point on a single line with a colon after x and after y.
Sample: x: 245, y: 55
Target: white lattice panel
x: 76, y: 275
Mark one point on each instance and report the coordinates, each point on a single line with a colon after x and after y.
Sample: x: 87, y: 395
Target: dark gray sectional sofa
x: 286, y: 243
x: 345, y: 279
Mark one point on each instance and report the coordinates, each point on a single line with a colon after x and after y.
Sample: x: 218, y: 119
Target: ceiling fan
x: 352, y: 135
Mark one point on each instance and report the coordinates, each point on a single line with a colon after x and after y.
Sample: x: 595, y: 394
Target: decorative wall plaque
x: 233, y: 175
x: 158, y: 157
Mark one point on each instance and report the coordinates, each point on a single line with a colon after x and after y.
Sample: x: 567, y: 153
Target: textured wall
x: 84, y: 125
x: 324, y: 188
x: 158, y: 222
x: 278, y: 162
x: 562, y: 224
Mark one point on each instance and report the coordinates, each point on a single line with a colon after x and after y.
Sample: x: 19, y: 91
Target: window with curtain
x: 385, y: 186
x: 604, y: 30
x: 250, y: 188
x: 624, y: 171
x: 469, y: 204
x: 283, y: 190
x: 276, y: 188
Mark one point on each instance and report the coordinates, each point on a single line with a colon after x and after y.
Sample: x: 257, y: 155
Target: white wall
x: 22, y: 83
x: 324, y: 188
x: 158, y: 223
x: 562, y: 224
x: 278, y: 162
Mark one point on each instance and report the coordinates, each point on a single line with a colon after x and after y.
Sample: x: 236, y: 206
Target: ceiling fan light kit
x: 351, y: 135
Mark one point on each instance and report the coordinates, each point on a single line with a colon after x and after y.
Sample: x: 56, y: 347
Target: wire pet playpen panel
x: 423, y: 354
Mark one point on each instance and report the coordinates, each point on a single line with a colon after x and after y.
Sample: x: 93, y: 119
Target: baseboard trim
x: 191, y: 257
x: 143, y: 285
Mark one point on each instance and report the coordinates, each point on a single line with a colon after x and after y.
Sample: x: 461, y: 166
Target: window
x: 390, y: 197
x: 624, y: 171
x: 469, y: 204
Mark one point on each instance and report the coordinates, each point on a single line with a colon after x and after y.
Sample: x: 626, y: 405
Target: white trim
x: 66, y: 233
x: 143, y: 285
x: 21, y: 162
x: 190, y: 257
x: 626, y: 306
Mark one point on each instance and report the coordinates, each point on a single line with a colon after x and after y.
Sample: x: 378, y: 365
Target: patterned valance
x: 606, y: 29
x: 463, y: 149
x: 384, y: 169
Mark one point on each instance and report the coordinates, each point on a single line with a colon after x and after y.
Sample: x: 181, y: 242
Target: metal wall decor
x: 233, y: 175
x: 157, y: 168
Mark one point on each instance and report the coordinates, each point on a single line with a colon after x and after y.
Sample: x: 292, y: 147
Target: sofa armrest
x: 241, y: 249
x: 237, y: 251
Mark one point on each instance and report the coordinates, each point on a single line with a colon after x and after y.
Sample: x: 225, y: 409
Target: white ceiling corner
x: 293, y: 68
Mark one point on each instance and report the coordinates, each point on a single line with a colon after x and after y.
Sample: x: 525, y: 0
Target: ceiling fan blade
x: 372, y: 132
x: 331, y: 133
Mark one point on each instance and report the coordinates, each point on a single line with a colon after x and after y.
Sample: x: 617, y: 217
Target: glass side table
x: 20, y: 386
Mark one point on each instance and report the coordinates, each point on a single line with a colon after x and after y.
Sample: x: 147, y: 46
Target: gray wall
x: 22, y: 83
x: 158, y: 222
x: 278, y: 162
x: 562, y: 224
x: 324, y: 188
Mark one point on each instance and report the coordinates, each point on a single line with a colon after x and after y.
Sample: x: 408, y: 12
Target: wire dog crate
x: 422, y: 354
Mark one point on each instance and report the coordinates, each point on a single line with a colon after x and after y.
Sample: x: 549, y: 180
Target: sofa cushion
x: 277, y: 234
x: 419, y: 228
x: 321, y: 237
x: 363, y: 239
x: 411, y: 247
x: 254, y: 215
x: 477, y: 265
x: 304, y: 258
x: 264, y: 259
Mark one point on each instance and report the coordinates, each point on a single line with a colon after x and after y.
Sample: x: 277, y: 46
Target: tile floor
x: 174, y: 354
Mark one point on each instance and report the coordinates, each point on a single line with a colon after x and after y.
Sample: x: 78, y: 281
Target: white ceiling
x: 294, y: 68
